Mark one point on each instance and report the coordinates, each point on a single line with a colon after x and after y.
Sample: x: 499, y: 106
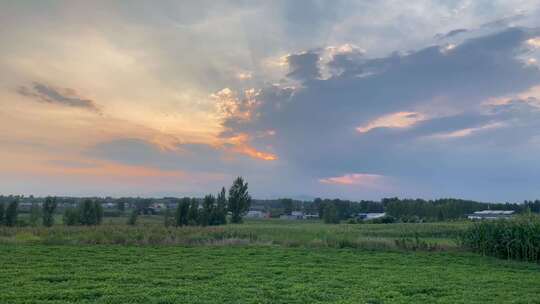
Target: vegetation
x: 151, y: 231
x: 11, y: 213
x: 239, y: 200
x: 330, y: 215
x: 71, y: 216
x: 48, y: 211
x: 2, y: 212
x: 220, y: 217
x: 35, y: 215
x: 517, y: 238
x: 182, y: 210
x: 256, y: 274
x: 132, y: 219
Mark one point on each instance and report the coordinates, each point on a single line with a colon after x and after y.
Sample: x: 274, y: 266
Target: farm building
x: 491, y: 215
x: 299, y: 215
x: 369, y: 216
x: 256, y: 214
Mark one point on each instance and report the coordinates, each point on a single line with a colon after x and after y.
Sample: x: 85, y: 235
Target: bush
x: 132, y: 219
x: 387, y: 219
x: 517, y: 238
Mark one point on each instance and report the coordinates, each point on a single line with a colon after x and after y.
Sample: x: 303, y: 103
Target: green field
x: 267, y: 261
x: 257, y: 274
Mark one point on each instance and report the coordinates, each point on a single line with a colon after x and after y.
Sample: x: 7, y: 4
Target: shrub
x: 167, y: 219
x: 517, y: 238
x: 387, y: 219
x: 132, y: 219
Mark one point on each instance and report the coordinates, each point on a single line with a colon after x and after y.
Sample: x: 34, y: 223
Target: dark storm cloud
x: 304, y: 66
x: 48, y: 94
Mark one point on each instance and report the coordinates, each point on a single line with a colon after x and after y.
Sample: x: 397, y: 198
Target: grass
x: 257, y: 274
x: 260, y: 261
x: 268, y: 232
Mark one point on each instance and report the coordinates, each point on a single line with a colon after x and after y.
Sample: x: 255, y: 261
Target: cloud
x: 394, y: 120
x: 534, y: 42
x: 378, y: 120
x: 66, y: 97
x: 468, y: 131
x: 452, y: 33
x: 304, y: 66
x: 354, y: 179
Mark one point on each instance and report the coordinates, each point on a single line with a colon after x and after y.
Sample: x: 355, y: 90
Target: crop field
x: 151, y: 231
x: 257, y: 274
x: 265, y: 261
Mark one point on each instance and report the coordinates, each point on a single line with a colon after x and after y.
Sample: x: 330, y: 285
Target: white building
x: 256, y: 214
x: 369, y: 216
x: 491, y: 215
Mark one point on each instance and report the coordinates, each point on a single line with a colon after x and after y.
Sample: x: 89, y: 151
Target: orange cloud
x: 362, y: 179
x: 534, y: 42
x: 240, y: 144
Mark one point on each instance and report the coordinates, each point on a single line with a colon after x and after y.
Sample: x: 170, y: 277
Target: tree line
x: 413, y: 210
x: 214, y: 210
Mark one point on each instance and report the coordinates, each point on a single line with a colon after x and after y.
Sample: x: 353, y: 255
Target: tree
x: 2, y: 211
x: 35, y: 214
x: 121, y: 205
x: 220, y: 216
x: 91, y: 213
x: 48, y: 211
x: 98, y: 213
x: 11, y: 213
x: 181, y: 214
x: 239, y: 200
x: 207, y: 211
x: 71, y: 217
x: 288, y: 205
x: 193, y: 213
x: 87, y: 212
x: 330, y: 213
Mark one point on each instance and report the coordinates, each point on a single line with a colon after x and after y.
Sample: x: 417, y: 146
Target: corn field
x: 517, y: 239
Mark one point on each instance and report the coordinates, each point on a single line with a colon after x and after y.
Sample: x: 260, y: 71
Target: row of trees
x: 89, y: 213
x: 9, y: 214
x: 410, y: 210
x: 214, y: 209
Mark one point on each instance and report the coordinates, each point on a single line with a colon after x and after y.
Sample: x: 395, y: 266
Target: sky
x: 304, y: 99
